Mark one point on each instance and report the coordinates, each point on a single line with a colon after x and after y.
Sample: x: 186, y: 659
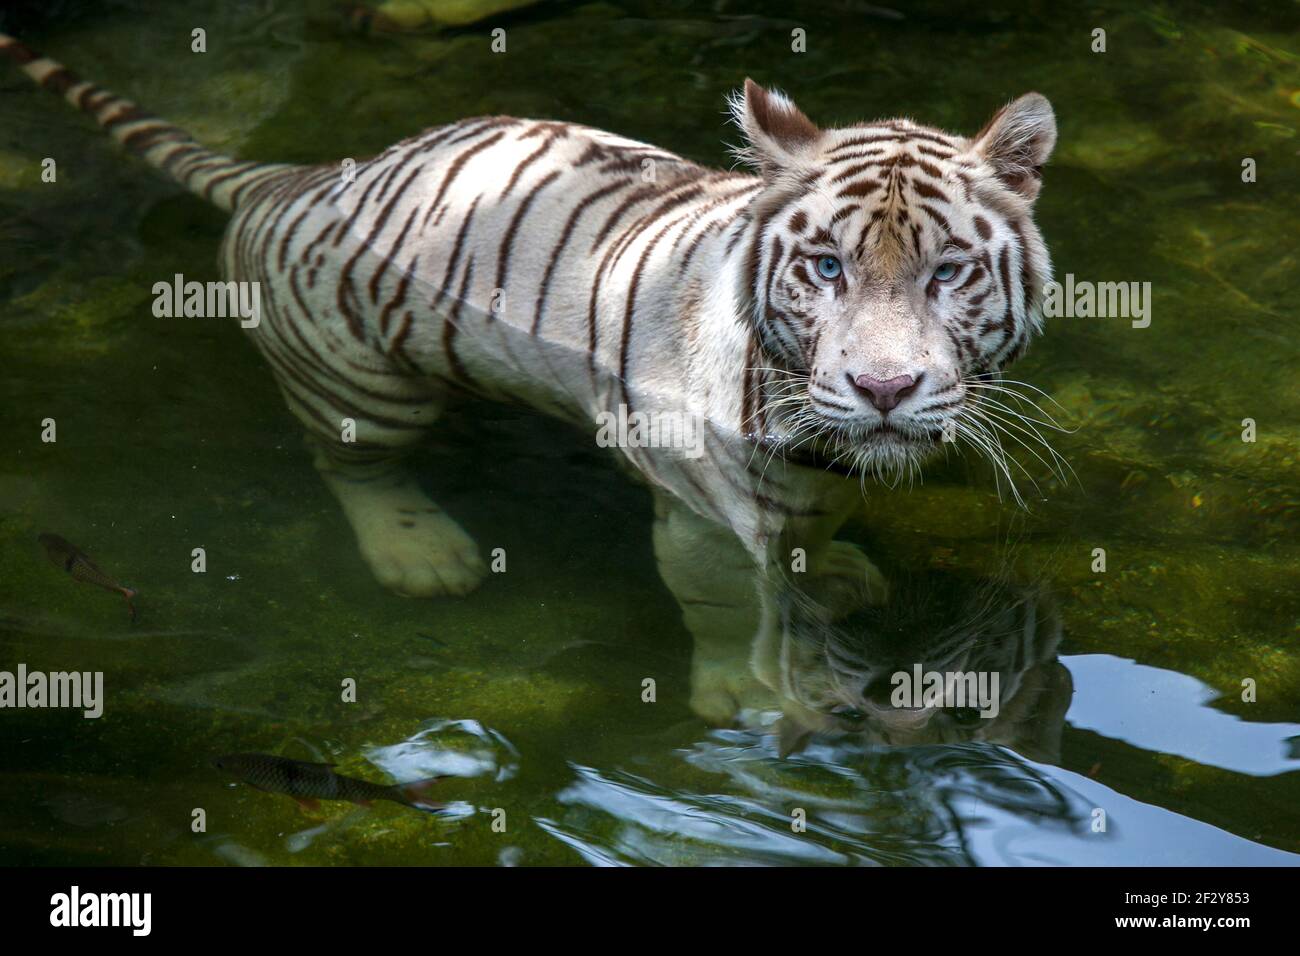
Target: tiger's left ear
x: 779, y: 137
x: 1017, y: 141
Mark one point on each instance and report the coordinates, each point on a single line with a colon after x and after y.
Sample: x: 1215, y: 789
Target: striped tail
x: 218, y: 179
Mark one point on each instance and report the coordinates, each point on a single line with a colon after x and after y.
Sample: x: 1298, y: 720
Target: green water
x: 171, y: 436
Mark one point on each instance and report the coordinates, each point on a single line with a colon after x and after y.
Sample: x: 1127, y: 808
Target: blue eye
x: 946, y: 272
x: 828, y: 267
x: 849, y: 714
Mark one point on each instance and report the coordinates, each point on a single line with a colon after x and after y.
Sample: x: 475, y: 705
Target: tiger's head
x: 891, y: 270
x: 836, y: 665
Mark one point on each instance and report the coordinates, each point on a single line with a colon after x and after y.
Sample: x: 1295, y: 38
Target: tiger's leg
x: 716, y: 584
x: 412, y: 546
x: 363, y: 413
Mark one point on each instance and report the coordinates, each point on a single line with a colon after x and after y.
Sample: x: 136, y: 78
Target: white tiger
x: 838, y: 314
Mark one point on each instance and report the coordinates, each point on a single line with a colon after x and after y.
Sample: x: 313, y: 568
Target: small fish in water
x: 309, y: 783
x: 75, y: 561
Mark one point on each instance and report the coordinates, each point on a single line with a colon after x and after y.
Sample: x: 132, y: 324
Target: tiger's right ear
x: 779, y: 137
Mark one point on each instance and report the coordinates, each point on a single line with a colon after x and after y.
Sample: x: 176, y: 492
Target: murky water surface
x: 528, y: 694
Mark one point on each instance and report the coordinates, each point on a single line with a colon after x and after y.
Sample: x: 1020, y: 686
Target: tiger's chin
x: 887, y: 451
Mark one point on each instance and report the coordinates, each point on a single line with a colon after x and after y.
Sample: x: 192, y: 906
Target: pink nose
x: 885, y: 395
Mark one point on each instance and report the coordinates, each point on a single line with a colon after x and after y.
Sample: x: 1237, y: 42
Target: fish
x: 77, y: 563
x: 309, y: 783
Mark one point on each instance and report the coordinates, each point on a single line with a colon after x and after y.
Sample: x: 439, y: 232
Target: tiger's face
x: 836, y: 671
x: 892, y: 271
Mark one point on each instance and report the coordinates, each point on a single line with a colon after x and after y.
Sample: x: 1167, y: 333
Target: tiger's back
x: 381, y: 290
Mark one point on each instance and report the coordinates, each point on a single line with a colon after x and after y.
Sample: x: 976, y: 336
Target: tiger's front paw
x: 723, y: 689
x: 425, y: 555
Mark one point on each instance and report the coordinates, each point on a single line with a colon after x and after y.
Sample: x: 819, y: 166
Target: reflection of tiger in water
x: 836, y: 674
x: 847, y: 309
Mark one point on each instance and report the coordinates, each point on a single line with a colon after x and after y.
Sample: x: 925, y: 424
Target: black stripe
x: 574, y: 216
x: 530, y: 159
x: 450, y: 328
x: 630, y: 311
x: 60, y: 80
x: 507, y: 241
x: 457, y: 165
x: 399, y: 297
x: 396, y: 249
